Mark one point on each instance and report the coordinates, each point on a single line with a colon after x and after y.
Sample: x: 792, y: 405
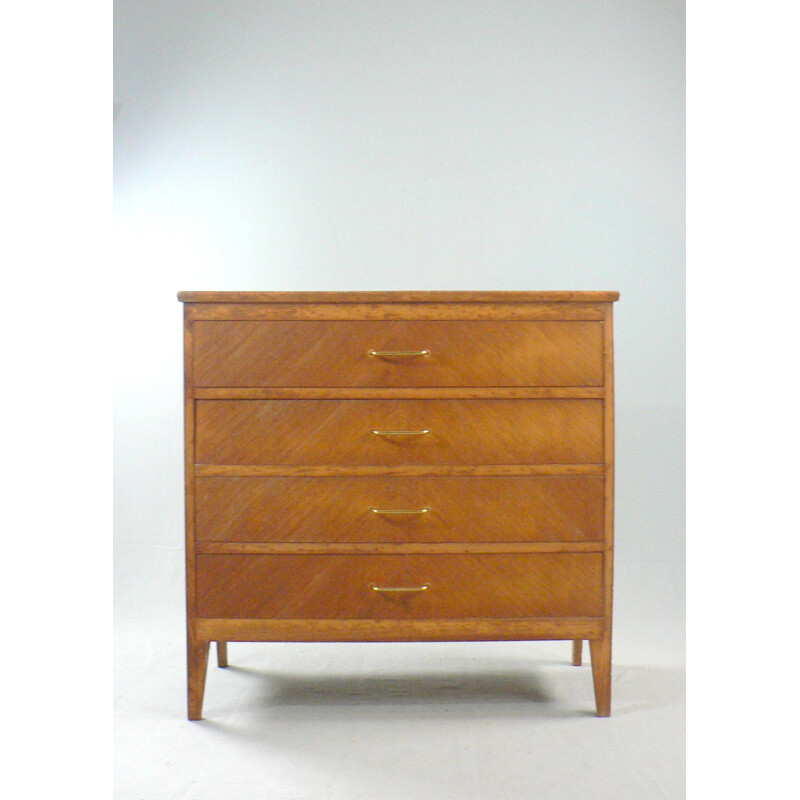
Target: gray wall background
x: 402, y: 145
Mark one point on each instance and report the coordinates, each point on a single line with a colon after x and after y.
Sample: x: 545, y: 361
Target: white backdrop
x: 402, y: 145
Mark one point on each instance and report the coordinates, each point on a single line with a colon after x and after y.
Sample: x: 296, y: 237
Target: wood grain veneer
x: 459, y: 586
x: 398, y: 630
x: 332, y: 354
x: 515, y: 473
x: 516, y: 508
x: 339, y: 432
x: 349, y: 298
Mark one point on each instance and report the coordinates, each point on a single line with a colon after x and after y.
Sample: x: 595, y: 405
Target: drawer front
x: 399, y: 509
x: 339, y: 432
x: 336, y: 354
x: 340, y: 586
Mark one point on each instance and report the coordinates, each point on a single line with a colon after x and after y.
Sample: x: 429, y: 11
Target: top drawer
x: 397, y: 353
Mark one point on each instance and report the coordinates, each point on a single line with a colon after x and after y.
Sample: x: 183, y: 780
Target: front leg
x: 197, y: 663
x: 601, y: 673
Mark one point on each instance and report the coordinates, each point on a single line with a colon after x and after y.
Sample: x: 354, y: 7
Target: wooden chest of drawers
x: 398, y: 466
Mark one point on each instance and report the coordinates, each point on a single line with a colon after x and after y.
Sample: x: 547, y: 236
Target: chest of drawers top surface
x: 372, y: 466
x: 401, y: 297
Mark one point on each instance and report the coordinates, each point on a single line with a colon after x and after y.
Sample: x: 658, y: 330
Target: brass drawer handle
x: 423, y: 588
x: 400, y: 433
x: 400, y: 510
x: 398, y: 353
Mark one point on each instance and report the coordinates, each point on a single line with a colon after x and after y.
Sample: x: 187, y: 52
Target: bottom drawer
x: 390, y: 586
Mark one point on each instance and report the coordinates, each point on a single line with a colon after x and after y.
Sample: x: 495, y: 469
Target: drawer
x: 458, y: 586
x: 336, y: 353
x: 340, y: 432
x: 406, y: 509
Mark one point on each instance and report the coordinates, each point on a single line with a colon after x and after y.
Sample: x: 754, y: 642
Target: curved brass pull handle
x: 400, y: 510
x: 398, y: 353
x: 400, y: 433
x: 423, y: 588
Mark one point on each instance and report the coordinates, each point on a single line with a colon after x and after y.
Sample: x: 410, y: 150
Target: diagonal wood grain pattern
x: 461, y: 509
x: 338, y: 586
x: 308, y: 432
x: 515, y: 472
x: 464, y: 353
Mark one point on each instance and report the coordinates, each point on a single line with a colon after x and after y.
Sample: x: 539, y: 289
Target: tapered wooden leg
x: 577, y: 652
x: 197, y: 663
x: 601, y: 674
x: 222, y: 654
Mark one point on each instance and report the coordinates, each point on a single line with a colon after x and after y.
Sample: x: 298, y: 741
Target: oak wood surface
x: 452, y: 509
x: 197, y: 664
x: 196, y: 648
x: 337, y: 354
x: 470, y: 297
x: 280, y: 397
x: 420, y: 470
x: 320, y: 432
x: 400, y: 630
x: 401, y: 393
x: 395, y: 311
x: 339, y: 586
x: 608, y: 458
x: 600, y: 650
x: 394, y: 548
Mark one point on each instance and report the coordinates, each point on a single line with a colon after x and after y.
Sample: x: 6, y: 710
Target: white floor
x: 392, y: 722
